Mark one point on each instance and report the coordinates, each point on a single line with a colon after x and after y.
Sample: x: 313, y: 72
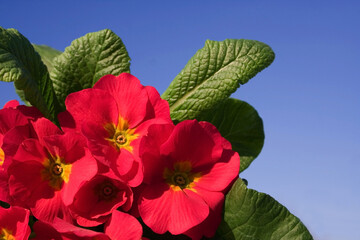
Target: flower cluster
x: 116, y: 158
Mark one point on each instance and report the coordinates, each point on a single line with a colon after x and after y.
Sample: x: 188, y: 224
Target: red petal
x: 150, y: 151
x: 62, y: 230
x: 163, y: 209
x: 123, y: 163
x: 161, y: 107
x: 44, y: 127
x: 214, y: 132
x: 82, y: 170
x: 86, y: 222
x: 209, y: 226
x: 44, y: 231
x: 67, y: 122
x: 221, y: 174
x: 190, y: 142
x: 31, y: 150
x: 30, y: 112
x: 98, y: 145
x: 130, y: 96
x: 69, y: 146
x: 24, y: 178
x: 94, y: 105
x: 132, y: 231
x: 12, y: 140
x: 4, y: 187
x: 47, y: 209
x: 134, y: 176
x: 10, y: 118
x: 11, y: 104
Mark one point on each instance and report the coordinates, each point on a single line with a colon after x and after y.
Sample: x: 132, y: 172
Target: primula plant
x: 97, y: 155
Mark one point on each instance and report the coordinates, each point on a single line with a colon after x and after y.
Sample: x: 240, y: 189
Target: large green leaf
x: 240, y: 124
x: 251, y: 215
x: 213, y: 73
x: 47, y: 55
x: 20, y: 63
x: 86, y: 60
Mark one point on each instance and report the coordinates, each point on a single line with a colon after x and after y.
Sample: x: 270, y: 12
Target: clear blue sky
x: 308, y: 98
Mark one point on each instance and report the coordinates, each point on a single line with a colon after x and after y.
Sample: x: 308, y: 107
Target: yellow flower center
x: 121, y: 136
x: 121, y: 139
x: 2, y: 157
x: 181, y: 176
x: 6, y: 235
x: 56, y: 171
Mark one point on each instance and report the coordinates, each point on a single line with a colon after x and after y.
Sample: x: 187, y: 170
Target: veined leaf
x: 20, y: 63
x: 213, y: 73
x: 47, y: 55
x: 240, y: 124
x: 251, y: 215
x: 86, y: 60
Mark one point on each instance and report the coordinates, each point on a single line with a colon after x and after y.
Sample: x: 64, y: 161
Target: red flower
x: 185, y: 176
x: 114, y: 115
x: 98, y: 198
x: 45, y: 173
x: 14, y: 223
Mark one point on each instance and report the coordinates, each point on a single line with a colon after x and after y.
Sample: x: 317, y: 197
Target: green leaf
x: 213, y: 73
x: 47, y: 54
x: 86, y: 60
x: 240, y: 124
x: 251, y: 215
x: 20, y: 63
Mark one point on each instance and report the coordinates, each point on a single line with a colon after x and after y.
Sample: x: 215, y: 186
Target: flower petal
x: 98, y: 144
x: 44, y: 127
x: 24, y: 178
x: 92, y: 104
x: 44, y: 231
x: 150, y: 151
x: 4, y: 187
x: 12, y: 140
x: 31, y: 150
x: 47, y: 209
x: 132, y: 231
x: 222, y: 173
x: 82, y: 170
x: 10, y: 118
x: 135, y: 175
x: 190, y: 142
x: 161, y: 107
x: 61, y: 230
x: 11, y: 104
x: 163, y: 209
x: 69, y: 146
x: 214, y: 132
x: 209, y: 226
x: 130, y: 95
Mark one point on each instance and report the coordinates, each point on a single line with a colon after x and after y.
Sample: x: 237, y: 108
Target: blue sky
x: 308, y: 98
